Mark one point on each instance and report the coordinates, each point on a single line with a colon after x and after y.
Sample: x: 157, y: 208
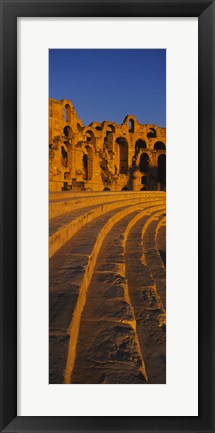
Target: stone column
x: 136, y: 180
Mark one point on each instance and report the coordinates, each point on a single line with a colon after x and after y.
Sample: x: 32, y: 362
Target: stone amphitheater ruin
x: 107, y: 250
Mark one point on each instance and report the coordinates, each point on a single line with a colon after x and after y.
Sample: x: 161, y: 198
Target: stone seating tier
x: 107, y: 292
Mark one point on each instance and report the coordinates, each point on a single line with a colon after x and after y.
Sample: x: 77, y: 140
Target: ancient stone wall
x: 103, y: 156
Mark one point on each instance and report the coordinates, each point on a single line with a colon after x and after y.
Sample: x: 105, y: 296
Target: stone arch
x: 89, y: 132
x: 67, y: 131
x: 123, y: 155
x: 110, y: 128
x: 152, y: 133
x: 67, y: 113
x: 131, y: 124
x: 162, y: 169
x: 89, y: 136
x: 125, y: 188
x: 159, y: 145
x: 144, y: 163
x: 140, y: 144
x: 106, y: 188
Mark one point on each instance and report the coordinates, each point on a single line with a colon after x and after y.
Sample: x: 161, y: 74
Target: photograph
x: 107, y: 212
x: 107, y: 216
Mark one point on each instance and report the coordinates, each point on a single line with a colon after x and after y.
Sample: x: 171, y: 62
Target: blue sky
x: 109, y: 84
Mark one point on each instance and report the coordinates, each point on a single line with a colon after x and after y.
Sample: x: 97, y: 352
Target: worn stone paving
x: 152, y: 257
x: 74, y: 201
x: 68, y: 271
x: 147, y: 303
x: 67, y: 268
x: 108, y: 350
x: 107, y: 299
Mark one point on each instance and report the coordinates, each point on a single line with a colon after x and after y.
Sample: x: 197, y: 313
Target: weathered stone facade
x: 103, y: 156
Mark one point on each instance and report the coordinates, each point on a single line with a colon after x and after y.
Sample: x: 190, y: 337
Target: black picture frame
x: 10, y: 11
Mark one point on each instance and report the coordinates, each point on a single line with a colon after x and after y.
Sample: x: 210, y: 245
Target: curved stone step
x: 63, y: 220
x: 70, y: 272
x: 69, y: 195
x: 146, y: 302
x: 152, y: 257
x: 57, y: 223
x: 66, y: 226
x: 61, y: 203
x: 108, y: 349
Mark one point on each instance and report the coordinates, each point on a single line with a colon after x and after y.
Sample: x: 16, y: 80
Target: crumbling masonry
x: 103, y: 156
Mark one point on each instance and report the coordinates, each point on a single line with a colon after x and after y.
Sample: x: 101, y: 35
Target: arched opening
x: 131, y: 125
x: 64, y: 156
x: 85, y: 163
x: 159, y: 145
x: 123, y: 155
x: 140, y: 144
x: 88, y: 163
x: 67, y: 113
x: 89, y: 136
x: 106, y: 188
x: 162, y: 169
x: 67, y: 131
x: 125, y: 188
x: 110, y: 128
x: 152, y: 133
x: 98, y: 128
x: 109, y: 134
x: 144, y: 163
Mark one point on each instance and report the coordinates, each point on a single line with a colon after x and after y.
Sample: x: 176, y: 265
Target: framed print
x: 103, y: 328
x: 117, y: 172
